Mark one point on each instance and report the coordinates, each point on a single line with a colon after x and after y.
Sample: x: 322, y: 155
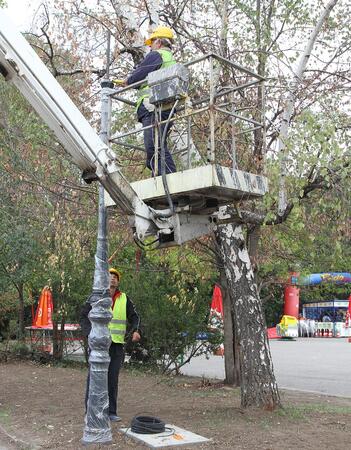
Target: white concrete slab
x: 174, y: 436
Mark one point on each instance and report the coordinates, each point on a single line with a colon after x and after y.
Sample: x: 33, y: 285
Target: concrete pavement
x: 321, y: 365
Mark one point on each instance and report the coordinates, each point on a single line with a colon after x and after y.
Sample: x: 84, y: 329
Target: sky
x: 21, y: 12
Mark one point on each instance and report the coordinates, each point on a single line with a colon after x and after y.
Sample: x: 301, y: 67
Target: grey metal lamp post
x: 97, y: 423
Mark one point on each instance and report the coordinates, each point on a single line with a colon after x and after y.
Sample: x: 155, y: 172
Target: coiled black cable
x: 147, y: 425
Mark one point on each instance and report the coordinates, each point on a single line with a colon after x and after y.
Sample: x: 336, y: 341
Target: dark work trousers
x: 148, y: 118
x: 117, y: 358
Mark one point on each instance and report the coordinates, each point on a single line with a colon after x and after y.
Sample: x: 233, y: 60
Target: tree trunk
x: 231, y: 348
x: 20, y: 312
x: 55, y: 340
x: 258, y: 384
x: 253, y: 239
x: 58, y: 339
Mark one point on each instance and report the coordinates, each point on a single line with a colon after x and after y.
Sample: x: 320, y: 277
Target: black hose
x: 147, y: 425
x: 163, y: 158
x: 142, y: 245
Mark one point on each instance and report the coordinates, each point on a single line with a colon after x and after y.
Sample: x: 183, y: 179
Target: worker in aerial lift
x: 160, y: 56
x: 123, y: 312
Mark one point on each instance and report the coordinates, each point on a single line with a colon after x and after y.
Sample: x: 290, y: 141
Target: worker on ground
x: 159, y: 57
x: 123, y: 313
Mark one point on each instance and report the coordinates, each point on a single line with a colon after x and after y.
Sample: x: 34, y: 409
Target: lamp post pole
x: 97, y: 424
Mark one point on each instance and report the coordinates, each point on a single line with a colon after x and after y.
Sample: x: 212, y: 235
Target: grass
x: 4, y: 416
x: 206, y: 393
x: 300, y: 412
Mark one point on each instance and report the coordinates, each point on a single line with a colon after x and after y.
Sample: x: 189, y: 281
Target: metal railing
x: 226, y: 94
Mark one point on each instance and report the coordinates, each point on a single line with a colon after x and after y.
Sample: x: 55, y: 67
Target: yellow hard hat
x: 115, y: 272
x: 159, y: 33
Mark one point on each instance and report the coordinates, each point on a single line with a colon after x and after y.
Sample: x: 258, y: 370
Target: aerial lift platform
x: 197, y: 195
x: 202, y: 183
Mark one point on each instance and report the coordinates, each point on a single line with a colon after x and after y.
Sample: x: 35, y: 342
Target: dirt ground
x: 41, y: 407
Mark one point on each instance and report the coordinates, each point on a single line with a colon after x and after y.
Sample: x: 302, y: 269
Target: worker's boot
x: 114, y: 418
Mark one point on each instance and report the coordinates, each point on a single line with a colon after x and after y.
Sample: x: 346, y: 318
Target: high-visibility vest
x: 118, y: 324
x: 167, y: 61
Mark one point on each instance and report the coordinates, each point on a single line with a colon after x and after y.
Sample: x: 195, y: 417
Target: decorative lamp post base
x: 97, y: 436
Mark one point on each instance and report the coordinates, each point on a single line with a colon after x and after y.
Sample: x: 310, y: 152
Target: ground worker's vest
x: 167, y: 61
x: 118, y: 324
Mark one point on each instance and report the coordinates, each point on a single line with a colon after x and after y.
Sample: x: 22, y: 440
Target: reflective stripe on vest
x: 167, y: 61
x: 118, y: 323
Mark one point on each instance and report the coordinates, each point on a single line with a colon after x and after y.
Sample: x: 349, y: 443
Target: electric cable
x: 163, y: 158
x: 147, y: 244
x: 143, y: 245
x: 149, y: 425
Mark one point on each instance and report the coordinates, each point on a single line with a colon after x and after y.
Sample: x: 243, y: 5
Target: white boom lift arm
x: 20, y: 65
